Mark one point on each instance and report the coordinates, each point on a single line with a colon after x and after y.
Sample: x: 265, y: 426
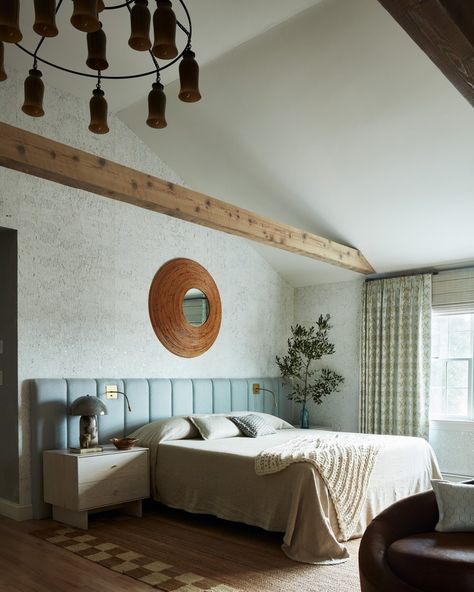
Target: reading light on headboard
x: 114, y: 392
x: 257, y: 389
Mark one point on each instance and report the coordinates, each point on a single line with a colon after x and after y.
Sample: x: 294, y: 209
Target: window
x: 452, y: 353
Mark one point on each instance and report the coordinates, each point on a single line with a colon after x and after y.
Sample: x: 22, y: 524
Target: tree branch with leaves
x: 305, y: 346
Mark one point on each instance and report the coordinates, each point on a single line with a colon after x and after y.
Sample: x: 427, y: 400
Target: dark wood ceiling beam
x: 444, y: 30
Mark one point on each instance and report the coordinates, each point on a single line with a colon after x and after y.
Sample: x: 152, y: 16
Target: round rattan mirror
x: 170, y: 311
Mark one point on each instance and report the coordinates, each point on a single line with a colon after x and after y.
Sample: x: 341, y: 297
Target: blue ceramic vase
x: 304, y: 417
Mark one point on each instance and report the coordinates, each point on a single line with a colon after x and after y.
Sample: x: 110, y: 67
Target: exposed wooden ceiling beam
x: 444, y: 29
x: 41, y: 157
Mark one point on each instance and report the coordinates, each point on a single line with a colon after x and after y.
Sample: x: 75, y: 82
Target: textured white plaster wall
x: 343, y: 301
x: 86, y: 264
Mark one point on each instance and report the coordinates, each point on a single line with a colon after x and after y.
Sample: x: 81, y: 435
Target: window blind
x: 453, y: 291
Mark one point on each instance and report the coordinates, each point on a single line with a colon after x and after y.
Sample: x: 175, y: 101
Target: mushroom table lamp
x: 88, y: 408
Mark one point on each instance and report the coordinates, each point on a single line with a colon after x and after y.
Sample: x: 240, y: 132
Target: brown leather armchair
x: 401, y: 552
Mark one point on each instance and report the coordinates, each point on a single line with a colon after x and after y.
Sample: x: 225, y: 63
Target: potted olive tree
x: 305, y: 346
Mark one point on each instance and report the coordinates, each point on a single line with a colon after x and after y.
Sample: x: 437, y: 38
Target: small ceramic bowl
x: 124, y: 443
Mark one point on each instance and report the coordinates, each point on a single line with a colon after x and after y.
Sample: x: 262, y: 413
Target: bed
x: 218, y: 477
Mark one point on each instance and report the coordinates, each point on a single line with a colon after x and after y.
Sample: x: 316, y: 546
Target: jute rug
x: 172, y: 551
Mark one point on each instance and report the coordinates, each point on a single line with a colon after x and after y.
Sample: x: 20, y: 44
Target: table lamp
x: 88, y: 408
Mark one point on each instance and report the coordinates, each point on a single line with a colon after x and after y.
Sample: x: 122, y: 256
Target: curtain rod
x: 397, y: 274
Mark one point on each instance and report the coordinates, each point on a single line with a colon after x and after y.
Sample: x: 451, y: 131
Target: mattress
x: 218, y: 477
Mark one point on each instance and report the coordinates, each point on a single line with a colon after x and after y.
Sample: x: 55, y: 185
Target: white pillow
x: 173, y: 428
x: 213, y: 427
x: 455, y: 506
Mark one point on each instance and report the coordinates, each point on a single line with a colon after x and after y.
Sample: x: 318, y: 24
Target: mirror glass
x: 196, y: 307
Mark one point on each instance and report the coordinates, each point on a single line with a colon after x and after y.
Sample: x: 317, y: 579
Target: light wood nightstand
x: 78, y: 483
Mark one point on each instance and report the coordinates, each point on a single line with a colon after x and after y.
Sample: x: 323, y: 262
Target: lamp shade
x: 157, y: 107
x: 189, y: 78
x: 164, y: 25
x: 10, y: 21
x: 97, y: 50
x: 140, y: 20
x: 84, y: 17
x: 98, y: 110
x: 34, y: 93
x: 45, y: 18
x: 87, y: 405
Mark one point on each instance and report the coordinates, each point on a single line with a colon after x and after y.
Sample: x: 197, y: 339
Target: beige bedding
x: 218, y: 477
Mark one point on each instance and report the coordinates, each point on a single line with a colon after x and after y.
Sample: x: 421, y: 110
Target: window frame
x: 444, y: 415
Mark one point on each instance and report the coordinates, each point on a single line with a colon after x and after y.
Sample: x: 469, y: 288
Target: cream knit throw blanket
x: 345, y: 462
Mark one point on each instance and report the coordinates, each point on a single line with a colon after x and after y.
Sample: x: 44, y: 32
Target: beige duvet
x: 218, y: 477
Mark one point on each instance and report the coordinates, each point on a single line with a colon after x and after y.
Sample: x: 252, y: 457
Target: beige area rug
x: 173, y: 550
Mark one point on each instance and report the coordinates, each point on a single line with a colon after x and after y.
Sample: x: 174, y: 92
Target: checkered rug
x: 157, y: 574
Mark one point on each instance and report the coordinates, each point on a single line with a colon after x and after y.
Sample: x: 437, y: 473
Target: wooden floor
x: 240, y: 556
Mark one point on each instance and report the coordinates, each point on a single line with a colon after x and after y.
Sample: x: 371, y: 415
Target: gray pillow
x: 253, y: 425
x: 273, y: 420
x: 455, y: 505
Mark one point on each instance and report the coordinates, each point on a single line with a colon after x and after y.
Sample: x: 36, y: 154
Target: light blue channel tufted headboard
x: 150, y: 399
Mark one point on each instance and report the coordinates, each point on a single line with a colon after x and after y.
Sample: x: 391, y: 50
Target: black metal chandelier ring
x: 156, y: 70
x: 102, y: 76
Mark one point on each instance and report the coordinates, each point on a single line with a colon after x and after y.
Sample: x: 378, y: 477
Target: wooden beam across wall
x: 33, y: 154
x: 444, y: 30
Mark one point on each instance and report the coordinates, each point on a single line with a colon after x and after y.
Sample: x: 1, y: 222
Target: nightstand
x: 76, y: 484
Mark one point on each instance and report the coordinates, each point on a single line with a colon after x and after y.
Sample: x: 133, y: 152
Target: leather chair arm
x: 413, y: 515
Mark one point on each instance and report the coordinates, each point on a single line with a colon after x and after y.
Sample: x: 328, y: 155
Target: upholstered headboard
x: 150, y: 399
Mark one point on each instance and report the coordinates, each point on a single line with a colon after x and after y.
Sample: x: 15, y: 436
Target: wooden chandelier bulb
x: 98, y: 110
x: 10, y: 21
x: 34, y: 93
x: 96, y: 50
x: 85, y: 17
x: 45, y: 18
x: 164, y: 25
x: 140, y: 20
x: 189, y: 78
x: 157, y: 107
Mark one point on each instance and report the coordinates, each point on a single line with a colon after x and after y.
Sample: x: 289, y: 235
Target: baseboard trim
x: 15, y: 511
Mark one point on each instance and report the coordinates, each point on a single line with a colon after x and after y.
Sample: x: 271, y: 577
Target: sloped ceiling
x: 334, y: 121
x: 323, y: 114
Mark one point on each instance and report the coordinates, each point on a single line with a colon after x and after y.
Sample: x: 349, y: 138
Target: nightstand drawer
x: 112, y: 491
x: 114, y: 466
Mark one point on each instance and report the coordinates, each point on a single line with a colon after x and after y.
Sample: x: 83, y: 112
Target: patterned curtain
x: 396, y: 355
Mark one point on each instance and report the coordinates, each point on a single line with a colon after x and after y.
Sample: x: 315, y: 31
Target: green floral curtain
x: 396, y: 353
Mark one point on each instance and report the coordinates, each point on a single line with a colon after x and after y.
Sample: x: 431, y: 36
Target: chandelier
x: 87, y: 17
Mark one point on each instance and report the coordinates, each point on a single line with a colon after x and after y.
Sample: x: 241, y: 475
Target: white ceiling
x: 218, y: 27
x: 324, y: 115
x: 334, y: 121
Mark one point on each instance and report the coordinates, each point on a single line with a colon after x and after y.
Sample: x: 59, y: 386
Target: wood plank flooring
x: 241, y: 556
